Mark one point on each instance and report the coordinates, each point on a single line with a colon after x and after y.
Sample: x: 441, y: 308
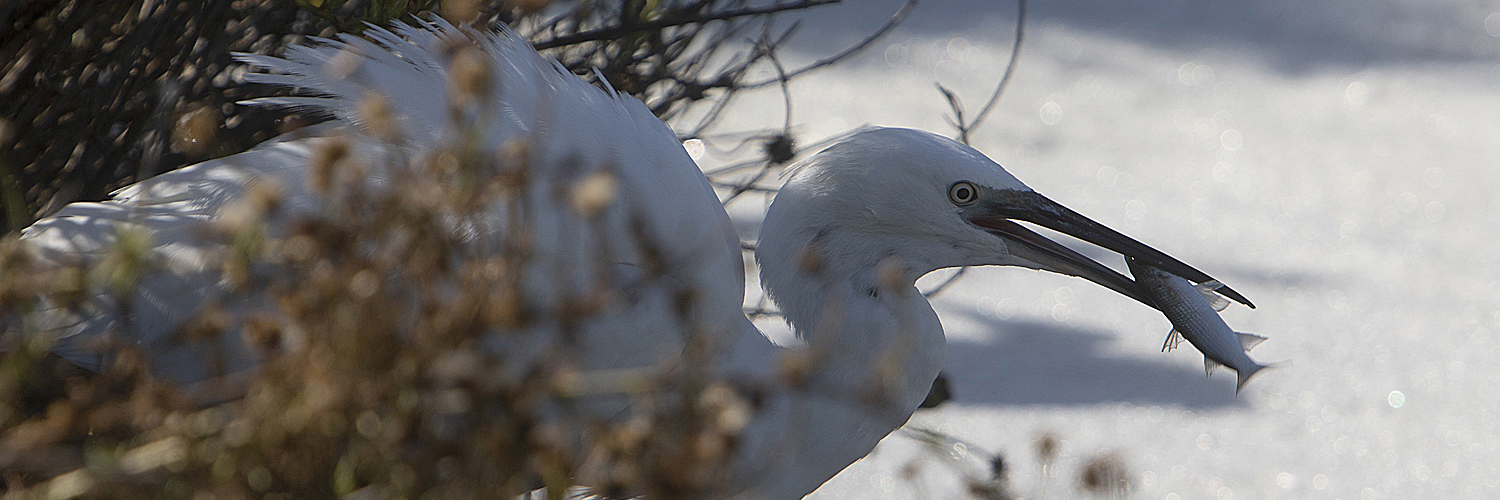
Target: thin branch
x: 896, y: 19
x: 762, y: 311
x: 819, y: 144
x: 676, y: 18
x: 965, y: 128
x: 946, y: 283
x: 1010, y: 69
x: 957, y: 121
x: 741, y: 186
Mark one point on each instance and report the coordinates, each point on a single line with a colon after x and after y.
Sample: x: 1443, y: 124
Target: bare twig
x: 946, y: 283
x: 965, y: 127
x: 1010, y: 68
x: 896, y: 19
x: 675, y: 18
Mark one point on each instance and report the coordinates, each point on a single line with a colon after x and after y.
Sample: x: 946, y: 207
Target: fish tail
x: 1245, y: 375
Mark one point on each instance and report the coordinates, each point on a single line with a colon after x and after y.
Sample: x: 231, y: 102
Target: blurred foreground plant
x: 376, y: 315
x: 375, y: 379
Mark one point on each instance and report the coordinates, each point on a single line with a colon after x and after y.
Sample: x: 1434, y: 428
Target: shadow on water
x: 1046, y: 363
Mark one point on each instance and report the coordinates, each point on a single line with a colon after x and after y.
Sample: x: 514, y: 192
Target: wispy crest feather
x: 409, y: 65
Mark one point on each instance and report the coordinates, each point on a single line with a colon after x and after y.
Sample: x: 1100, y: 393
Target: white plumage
x: 840, y: 250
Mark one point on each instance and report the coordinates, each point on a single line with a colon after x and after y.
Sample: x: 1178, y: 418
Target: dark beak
x: 995, y: 212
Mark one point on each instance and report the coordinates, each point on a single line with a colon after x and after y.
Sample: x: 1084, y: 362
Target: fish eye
x: 963, y: 193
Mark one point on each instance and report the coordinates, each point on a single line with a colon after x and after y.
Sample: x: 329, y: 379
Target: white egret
x: 840, y: 250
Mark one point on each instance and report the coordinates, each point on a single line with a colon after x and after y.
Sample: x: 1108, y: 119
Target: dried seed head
x: 810, y: 258
x: 708, y: 447
x: 374, y: 111
x: 455, y: 367
x: 196, y: 130
x: 206, y: 325
x: 342, y: 64
x: 261, y: 331
x: 794, y: 366
x: 890, y: 274
x: 469, y: 80
x: 593, y: 193
x: 325, y: 160
x: 780, y: 149
x: 127, y: 260
x: 364, y: 284
x: 1105, y: 475
x: 514, y: 152
x: 504, y: 310
x: 1046, y: 448
x: 263, y: 194
x: 69, y: 285
x: 460, y: 11
x: 299, y: 248
x: 513, y: 160
x: 528, y: 6
x: 910, y: 471
x: 290, y: 123
x: 442, y: 164
x: 246, y: 213
x: 729, y: 411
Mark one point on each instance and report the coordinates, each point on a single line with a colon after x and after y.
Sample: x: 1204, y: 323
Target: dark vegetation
x: 358, y: 399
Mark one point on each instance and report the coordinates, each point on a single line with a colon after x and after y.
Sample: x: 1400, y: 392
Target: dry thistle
x: 890, y: 275
x: 793, y: 367
x: 728, y: 411
x: 460, y: 11
x: 594, y: 192
x: 260, y: 197
x: 326, y: 159
x: 528, y: 6
x: 1046, y: 448
x: 128, y: 259
x: 196, y: 130
x: 341, y: 406
x: 780, y: 149
x: 374, y: 111
x: 1105, y: 474
x: 810, y: 258
x: 469, y: 80
x: 343, y: 64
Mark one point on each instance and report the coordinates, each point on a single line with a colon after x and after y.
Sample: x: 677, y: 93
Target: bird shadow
x: 1037, y: 363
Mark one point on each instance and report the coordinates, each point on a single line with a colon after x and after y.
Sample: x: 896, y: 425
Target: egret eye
x: 963, y: 193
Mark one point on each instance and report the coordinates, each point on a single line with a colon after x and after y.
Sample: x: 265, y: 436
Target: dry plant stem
x: 131, y: 50
x: 359, y: 397
x: 671, y: 19
x: 965, y: 128
x: 895, y: 20
x: 785, y: 135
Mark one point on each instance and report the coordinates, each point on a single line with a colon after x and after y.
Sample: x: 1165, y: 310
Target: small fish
x: 1193, y: 311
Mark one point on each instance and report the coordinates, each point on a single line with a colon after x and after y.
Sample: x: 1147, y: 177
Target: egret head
x: 929, y: 202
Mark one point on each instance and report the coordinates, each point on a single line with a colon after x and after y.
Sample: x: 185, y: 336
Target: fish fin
x: 1245, y: 375
x: 1174, y: 339
x: 1209, y: 290
x: 1248, y: 341
x: 1209, y: 366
